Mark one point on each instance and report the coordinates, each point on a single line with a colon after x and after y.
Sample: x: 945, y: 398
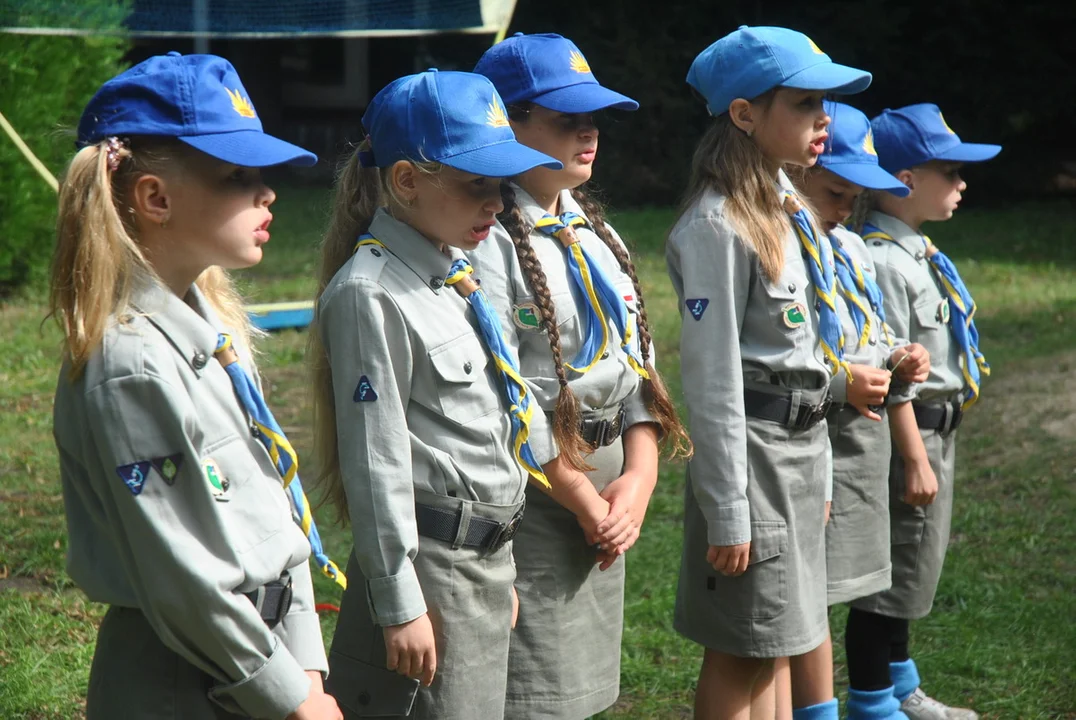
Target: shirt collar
x: 414, y: 250
x: 911, y: 241
x: 191, y: 326
x: 535, y: 212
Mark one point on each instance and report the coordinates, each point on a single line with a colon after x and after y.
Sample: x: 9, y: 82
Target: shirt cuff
x: 728, y: 524
x: 541, y: 439
x: 635, y: 411
x: 274, y: 691
x: 838, y: 387
x: 396, y: 599
x: 301, y: 633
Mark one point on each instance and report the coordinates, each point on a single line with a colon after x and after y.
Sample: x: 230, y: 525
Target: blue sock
x: 873, y: 705
x: 822, y: 711
x: 905, y: 676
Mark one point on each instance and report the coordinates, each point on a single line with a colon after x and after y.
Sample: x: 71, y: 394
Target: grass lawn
x: 1001, y: 637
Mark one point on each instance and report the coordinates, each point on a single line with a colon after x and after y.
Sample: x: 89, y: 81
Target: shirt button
x: 468, y: 367
x: 919, y: 256
x: 199, y: 360
x: 873, y: 341
x: 437, y: 282
x: 375, y: 252
x: 877, y: 243
x: 792, y: 288
x: 255, y: 432
x: 605, y: 355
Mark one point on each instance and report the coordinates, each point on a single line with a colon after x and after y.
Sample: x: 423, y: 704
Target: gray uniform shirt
x: 916, y: 307
x: 612, y: 380
x: 417, y: 405
x: 736, y: 330
x: 142, y: 434
x: 877, y: 349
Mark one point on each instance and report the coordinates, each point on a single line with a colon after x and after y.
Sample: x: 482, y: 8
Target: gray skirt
x: 565, y: 654
x: 468, y: 595
x: 778, y: 607
x: 857, y: 536
x: 134, y: 675
x: 919, y: 535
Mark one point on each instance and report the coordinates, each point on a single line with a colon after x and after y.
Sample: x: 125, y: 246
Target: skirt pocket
x: 761, y: 592
x: 366, y: 690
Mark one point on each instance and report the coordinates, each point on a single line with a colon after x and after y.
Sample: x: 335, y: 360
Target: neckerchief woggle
x: 521, y: 410
x: 601, y: 297
x: 280, y: 450
x: 961, y: 312
x: 820, y: 268
x: 860, y: 290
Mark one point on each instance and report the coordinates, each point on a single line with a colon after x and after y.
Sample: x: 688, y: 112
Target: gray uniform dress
x: 421, y: 418
x: 916, y: 308
x: 857, y: 536
x: 750, y: 479
x: 174, y: 510
x: 565, y: 655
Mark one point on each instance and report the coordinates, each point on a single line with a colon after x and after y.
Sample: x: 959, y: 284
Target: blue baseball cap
x: 752, y: 60
x: 454, y: 118
x: 197, y: 99
x: 547, y: 70
x: 850, y: 152
x: 917, y: 134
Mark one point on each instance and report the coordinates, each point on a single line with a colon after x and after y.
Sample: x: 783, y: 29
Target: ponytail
x: 674, y: 438
x: 566, y: 413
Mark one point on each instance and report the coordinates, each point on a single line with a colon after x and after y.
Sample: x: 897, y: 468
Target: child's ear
x: 404, y: 178
x: 150, y: 200
x: 908, y: 178
x: 741, y: 115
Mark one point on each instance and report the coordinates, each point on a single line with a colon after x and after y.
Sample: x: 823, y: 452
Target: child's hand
x: 920, y: 483
x: 411, y: 650
x: 867, y: 386
x: 915, y: 367
x: 318, y: 705
x: 515, y: 607
x: 829, y: 504
x: 729, y: 560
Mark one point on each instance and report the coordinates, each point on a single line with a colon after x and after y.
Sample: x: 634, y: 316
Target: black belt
x: 272, y: 600
x: 944, y: 418
x: 602, y: 433
x: 442, y: 524
x: 778, y: 408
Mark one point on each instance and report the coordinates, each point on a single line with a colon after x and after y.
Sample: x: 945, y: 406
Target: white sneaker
x: 920, y: 706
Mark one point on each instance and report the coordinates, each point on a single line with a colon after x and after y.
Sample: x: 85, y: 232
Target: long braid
x: 566, y: 414
x: 674, y: 438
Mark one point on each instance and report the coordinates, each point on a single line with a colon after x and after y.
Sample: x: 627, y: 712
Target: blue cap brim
x: 830, y: 77
x: 503, y: 159
x: 969, y: 152
x: 250, y: 148
x: 869, y: 176
x: 584, y: 98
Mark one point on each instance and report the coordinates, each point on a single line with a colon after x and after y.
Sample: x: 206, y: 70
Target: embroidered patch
x: 697, y: 306
x: 168, y: 466
x: 526, y: 316
x: 364, y: 392
x: 794, y: 315
x: 629, y: 298
x: 218, y: 484
x: 943, y: 311
x: 134, y: 475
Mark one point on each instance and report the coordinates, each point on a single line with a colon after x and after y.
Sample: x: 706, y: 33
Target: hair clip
x: 366, y: 153
x: 115, y: 145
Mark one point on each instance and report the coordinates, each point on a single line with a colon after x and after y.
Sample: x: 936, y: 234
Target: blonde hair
x: 728, y: 161
x: 98, y: 260
x: 358, y: 194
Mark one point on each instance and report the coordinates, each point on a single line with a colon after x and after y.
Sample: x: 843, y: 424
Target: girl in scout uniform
x: 564, y: 280
x: 422, y: 417
x: 926, y: 302
x: 760, y: 345
x: 857, y: 535
x: 175, y: 509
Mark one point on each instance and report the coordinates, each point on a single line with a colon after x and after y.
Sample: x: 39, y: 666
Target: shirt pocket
x: 788, y: 300
x: 535, y: 353
x: 464, y: 390
x: 252, y: 505
x: 930, y: 317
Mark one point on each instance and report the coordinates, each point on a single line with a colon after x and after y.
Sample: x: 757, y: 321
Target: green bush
x: 44, y: 84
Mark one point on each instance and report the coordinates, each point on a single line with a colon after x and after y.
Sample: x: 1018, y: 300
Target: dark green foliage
x: 44, y: 84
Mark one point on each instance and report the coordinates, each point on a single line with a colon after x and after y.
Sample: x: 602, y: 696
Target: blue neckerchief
x: 861, y: 292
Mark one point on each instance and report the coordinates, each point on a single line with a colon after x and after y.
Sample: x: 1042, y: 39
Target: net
x: 254, y: 18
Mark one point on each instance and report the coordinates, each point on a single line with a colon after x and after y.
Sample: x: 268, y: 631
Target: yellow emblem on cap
x: 578, y: 62
x: 868, y: 143
x: 814, y: 48
x: 945, y: 124
x: 495, y: 116
x: 241, y: 104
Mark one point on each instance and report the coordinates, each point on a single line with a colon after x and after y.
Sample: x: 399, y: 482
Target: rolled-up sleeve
x: 711, y: 269
x: 366, y: 339
x: 300, y: 629
x: 178, y: 546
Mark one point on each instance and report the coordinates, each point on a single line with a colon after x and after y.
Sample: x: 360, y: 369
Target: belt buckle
x: 814, y: 414
x: 508, y: 531
x: 958, y: 417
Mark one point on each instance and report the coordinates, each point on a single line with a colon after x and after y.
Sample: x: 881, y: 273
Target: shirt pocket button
x: 468, y: 367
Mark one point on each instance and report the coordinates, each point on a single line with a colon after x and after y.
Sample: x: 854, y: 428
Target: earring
x: 750, y: 132
x: 164, y: 223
